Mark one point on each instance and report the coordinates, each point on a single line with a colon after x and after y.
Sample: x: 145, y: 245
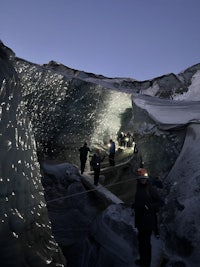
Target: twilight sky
x: 139, y: 39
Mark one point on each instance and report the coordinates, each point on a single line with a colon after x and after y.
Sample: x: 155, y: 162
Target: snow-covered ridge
x: 169, y: 112
x: 183, y: 85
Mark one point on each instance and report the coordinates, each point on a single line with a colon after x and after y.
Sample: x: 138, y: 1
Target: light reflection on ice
x: 15, y: 235
x: 109, y: 123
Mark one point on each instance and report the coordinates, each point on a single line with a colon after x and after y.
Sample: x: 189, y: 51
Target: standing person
x: 128, y: 138
x: 135, y: 149
x: 112, y: 153
x: 83, y: 156
x: 96, y: 165
x: 120, y: 136
x: 147, y: 202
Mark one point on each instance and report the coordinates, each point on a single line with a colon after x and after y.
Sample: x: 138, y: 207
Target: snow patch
x: 193, y: 92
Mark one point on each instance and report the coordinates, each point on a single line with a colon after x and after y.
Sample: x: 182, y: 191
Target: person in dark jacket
x: 147, y: 203
x: 96, y: 165
x: 83, y: 156
x: 112, y: 153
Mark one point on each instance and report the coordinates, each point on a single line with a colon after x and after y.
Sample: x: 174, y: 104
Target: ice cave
x: 51, y: 215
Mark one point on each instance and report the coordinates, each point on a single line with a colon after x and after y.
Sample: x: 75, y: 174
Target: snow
x: 152, y: 91
x: 193, y: 92
x: 169, y: 112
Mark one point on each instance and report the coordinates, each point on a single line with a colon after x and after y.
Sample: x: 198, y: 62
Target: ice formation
x: 47, y: 111
x: 26, y: 236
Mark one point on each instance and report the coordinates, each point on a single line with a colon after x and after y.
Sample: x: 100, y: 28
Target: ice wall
x: 68, y: 106
x: 180, y: 216
x: 25, y: 230
x: 67, y: 110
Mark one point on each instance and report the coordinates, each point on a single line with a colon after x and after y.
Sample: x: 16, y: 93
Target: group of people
x: 96, y: 159
x: 147, y: 200
x: 125, y: 139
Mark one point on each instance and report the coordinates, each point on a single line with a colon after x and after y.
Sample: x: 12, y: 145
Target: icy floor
x: 156, y: 253
x: 156, y: 243
x: 157, y: 246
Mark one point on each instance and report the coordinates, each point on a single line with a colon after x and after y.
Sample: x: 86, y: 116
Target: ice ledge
x: 169, y: 112
x: 101, y: 191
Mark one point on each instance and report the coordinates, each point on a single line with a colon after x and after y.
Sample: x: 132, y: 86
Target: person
x: 142, y: 171
x: 147, y: 202
x: 96, y: 165
x: 120, y: 137
x: 112, y: 153
x: 135, y: 149
x: 124, y: 140
x: 83, y: 156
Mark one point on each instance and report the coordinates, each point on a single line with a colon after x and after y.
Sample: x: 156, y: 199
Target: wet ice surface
x: 25, y: 227
x: 103, y: 234
x: 107, y: 233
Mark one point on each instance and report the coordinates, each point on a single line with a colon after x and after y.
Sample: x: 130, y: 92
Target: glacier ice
x: 26, y: 238
x: 46, y: 111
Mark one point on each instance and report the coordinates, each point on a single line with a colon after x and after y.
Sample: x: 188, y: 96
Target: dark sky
x: 139, y: 39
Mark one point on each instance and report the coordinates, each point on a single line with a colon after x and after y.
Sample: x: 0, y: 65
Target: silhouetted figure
x: 135, y: 149
x: 128, y: 139
x: 132, y: 139
x: 112, y: 153
x: 96, y: 165
x: 124, y: 140
x: 83, y: 156
x: 120, y: 137
x: 147, y: 202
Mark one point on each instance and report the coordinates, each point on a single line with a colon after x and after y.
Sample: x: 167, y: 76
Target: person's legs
x: 112, y: 160
x: 96, y: 176
x: 144, y: 240
x: 83, y: 161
